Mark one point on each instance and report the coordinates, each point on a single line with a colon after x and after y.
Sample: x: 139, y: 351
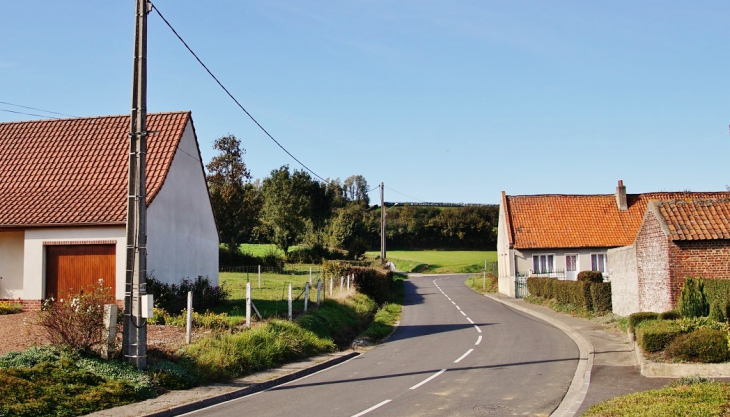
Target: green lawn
x: 435, y: 261
x: 270, y: 298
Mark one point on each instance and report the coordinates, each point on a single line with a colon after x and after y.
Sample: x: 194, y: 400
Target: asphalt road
x: 455, y: 353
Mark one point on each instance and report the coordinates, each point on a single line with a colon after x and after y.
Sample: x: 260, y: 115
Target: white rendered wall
x: 34, y: 271
x: 624, y: 280
x: 505, y: 263
x: 524, y: 259
x: 11, y: 265
x: 182, y: 239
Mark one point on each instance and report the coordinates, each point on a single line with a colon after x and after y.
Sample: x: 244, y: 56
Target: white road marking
x: 428, y: 379
x: 464, y: 355
x: 457, y: 307
x: 478, y: 329
x: 470, y: 321
x: 479, y: 340
x: 462, y: 313
x: 453, y: 302
x: 362, y: 413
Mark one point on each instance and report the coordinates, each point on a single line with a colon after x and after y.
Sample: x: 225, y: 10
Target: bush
x: 376, y: 284
x: 601, y: 297
x: 637, y: 318
x: 718, y: 289
x: 76, y: 323
x: 670, y: 315
x: 717, y: 311
x: 10, y: 307
x: 30, y: 357
x: 692, y: 301
x: 656, y: 335
x: 540, y: 287
x: 172, y: 376
x: 173, y: 297
x: 207, y: 320
x: 313, y: 255
x: 590, y: 276
x: 233, y: 258
x: 703, y: 345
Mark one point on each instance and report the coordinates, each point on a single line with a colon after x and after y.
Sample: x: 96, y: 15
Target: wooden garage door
x: 72, y: 268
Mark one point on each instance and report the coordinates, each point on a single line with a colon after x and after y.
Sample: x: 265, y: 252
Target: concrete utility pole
x: 134, y: 343
x: 382, y: 223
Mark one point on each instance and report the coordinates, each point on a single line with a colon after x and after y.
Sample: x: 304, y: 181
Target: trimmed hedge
x: 718, y: 290
x: 703, y: 345
x: 583, y: 294
x: 590, y: 276
x: 656, y: 335
x: 601, y: 296
x: 637, y: 318
x: 375, y: 283
x: 670, y: 315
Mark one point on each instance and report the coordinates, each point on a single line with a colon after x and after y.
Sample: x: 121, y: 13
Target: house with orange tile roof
x: 678, y: 238
x: 63, y: 205
x: 561, y: 235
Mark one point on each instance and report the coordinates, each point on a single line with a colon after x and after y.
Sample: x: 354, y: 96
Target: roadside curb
x: 252, y: 389
x: 578, y: 389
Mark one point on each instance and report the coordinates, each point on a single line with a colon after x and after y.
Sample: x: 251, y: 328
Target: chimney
x: 621, y: 196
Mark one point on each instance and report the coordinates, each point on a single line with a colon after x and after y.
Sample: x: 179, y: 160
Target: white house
x: 63, y: 205
x: 561, y: 235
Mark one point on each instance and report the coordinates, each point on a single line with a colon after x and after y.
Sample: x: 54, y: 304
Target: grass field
x: 435, y: 261
x: 262, y: 249
x: 271, y: 296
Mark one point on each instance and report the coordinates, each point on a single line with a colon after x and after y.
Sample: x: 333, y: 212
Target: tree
x: 231, y: 194
x: 286, y: 206
x: 356, y: 189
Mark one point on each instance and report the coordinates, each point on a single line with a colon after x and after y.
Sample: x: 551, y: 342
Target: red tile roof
x: 695, y: 219
x: 581, y: 221
x: 74, y: 171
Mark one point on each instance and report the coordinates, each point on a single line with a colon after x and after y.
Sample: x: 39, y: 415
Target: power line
x: 29, y: 114
x: 231, y: 95
x: 404, y: 195
x: 33, y: 108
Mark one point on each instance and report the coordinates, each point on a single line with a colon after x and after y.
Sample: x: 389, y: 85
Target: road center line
x: 457, y: 307
x: 362, y: 413
x: 479, y: 340
x: 478, y: 329
x: 428, y: 379
x: 470, y: 321
x: 464, y: 355
x: 462, y: 313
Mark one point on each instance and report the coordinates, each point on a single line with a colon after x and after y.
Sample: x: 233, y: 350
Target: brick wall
x: 709, y: 259
x: 652, y: 266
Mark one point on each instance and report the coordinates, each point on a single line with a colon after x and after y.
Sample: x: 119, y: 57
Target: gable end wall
x: 652, y: 266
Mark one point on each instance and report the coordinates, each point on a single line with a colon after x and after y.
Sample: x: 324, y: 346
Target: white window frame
x: 605, y: 262
x: 540, y: 257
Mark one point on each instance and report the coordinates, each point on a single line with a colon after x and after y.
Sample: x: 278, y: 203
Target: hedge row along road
x: 455, y: 353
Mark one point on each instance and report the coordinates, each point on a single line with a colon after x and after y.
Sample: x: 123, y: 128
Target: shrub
x: 30, y: 357
x: 539, y: 287
x: 689, y: 325
x: 173, y: 297
x: 718, y: 289
x: 10, y: 307
x: 376, y: 284
x: 171, y: 375
x: 207, y: 320
x: 656, y: 335
x: 76, y: 323
x: 670, y: 315
x: 232, y: 258
x: 590, y: 276
x: 692, y: 301
x: 118, y: 371
x: 703, y: 345
x: 637, y: 318
x: 601, y: 296
x: 717, y: 311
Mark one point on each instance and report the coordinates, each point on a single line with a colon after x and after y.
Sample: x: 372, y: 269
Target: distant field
x: 436, y: 261
x: 262, y: 249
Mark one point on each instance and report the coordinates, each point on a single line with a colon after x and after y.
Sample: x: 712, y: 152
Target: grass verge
x: 677, y: 399
x: 612, y: 321
x: 388, y: 315
x: 482, y: 284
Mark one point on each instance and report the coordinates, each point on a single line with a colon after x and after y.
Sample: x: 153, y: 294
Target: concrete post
x: 319, y: 290
x: 110, y: 330
x: 306, y: 296
x: 248, y: 305
x: 189, y: 327
x: 259, y: 276
x: 290, y: 304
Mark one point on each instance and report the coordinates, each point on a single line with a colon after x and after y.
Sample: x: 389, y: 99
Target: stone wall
x: 624, y: 280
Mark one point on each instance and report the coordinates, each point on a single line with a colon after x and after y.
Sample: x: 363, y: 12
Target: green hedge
x: 718, y: 291
x: 656, y: 335
x: 703, y: 345
x: 637, y: 318
x: 590, y: 276
x: 583, y: 294
x: 601, y: 296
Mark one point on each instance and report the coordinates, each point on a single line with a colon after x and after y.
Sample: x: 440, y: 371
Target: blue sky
x: 443, y: 101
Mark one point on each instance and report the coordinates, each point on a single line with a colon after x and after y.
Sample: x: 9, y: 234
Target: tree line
x: 289, y: 207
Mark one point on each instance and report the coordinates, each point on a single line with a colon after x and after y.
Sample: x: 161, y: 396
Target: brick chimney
x: 621, y: 196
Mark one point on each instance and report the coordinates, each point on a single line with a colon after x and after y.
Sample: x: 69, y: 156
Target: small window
x: 543, y: 264
x: 598, y: 262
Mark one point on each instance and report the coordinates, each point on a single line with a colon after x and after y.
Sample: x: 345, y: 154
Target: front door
x: 571, y: 267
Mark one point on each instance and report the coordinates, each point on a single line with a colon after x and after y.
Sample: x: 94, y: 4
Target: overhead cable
x: 37, y: 109
x: 404, y: 195
x: 231, y: 95
x: 29, y: 114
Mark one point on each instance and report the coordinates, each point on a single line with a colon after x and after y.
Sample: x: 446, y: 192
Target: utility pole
x: 382, y: 223
x: 134, y: 343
